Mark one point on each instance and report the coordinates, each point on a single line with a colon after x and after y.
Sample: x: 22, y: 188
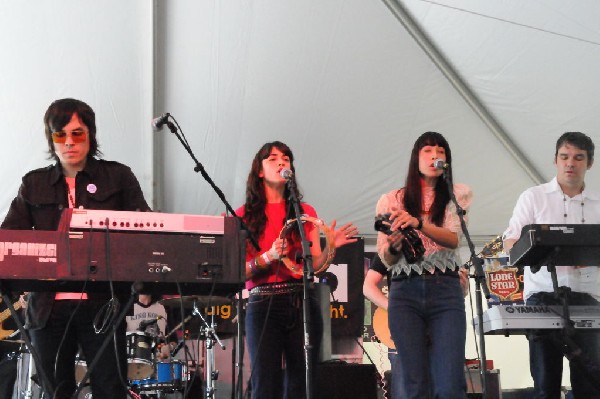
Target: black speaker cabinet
x: 337, y: 380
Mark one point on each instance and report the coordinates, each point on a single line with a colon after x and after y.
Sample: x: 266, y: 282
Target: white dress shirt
x: 546, y: 204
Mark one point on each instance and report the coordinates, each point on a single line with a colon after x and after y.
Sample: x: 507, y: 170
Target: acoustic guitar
x: 381, y: 328
x: 5, y: 314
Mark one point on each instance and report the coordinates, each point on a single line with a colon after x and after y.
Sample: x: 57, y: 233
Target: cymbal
x: 201, y: 301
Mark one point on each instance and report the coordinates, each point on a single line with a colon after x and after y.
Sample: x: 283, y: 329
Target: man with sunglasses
x: 60, y: 323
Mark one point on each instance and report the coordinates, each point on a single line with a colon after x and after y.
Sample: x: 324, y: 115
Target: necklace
x: 565, y: 208
x: 71, y: 198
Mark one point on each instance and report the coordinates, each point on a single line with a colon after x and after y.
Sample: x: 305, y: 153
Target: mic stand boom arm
x: 480, y: 284
x: 200, y: 168
x: 307, y: 277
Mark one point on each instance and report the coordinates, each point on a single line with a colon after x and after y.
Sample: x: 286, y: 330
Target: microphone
x: 286, y: 174
x: 177, y: 348
x: 145, y: 323
x: 158, y: 122
x: 330, y: 279
x: 440, y: 164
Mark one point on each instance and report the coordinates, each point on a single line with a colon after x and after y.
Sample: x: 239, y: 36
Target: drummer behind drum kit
x: 147, y: 376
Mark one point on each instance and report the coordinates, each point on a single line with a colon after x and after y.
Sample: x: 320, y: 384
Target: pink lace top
x: 436, y: 256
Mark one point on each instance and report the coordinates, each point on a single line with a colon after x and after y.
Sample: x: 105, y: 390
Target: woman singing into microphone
x: 426, y: 304
x: 274, y: 326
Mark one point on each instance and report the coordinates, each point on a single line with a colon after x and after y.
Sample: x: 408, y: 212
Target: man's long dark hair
x: 256, y: 200
x: 59, y: 114
x: 413, y: 197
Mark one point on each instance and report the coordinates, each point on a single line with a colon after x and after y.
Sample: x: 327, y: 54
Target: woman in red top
x: 274, y: 328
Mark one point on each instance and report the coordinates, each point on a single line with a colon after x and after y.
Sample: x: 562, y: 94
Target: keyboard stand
x: 564, y: 337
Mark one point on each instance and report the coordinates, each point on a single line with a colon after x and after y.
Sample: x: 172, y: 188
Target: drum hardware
x: 80, y: 368
x: 140, y: 358
x: 86, y: 392
x: 178, y: 326
x: 211, y: 374
x: 25, y: 386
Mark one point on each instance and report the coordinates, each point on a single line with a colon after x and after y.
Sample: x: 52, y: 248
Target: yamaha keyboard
x: 565, y: 244
x: 164, y: 252
x: 519, y: 319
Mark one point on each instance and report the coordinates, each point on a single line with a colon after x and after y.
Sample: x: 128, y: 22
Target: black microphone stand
x: 35, y: 358
x: 307, y: 277
x: 200, y: 168
x: 480, y: 284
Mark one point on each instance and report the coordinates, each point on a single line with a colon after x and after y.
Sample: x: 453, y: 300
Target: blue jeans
x: 395, y: 391
x: 60, y: 369
x: 280, y: 316
x: 428, y: 325
x: 546, y: 355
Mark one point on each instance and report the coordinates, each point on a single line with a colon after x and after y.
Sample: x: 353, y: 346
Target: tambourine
x: 329, y: 244
x: 412, y: 245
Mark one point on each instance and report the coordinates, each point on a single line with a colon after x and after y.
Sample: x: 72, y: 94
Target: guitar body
x: 382, y: 329
x: 5, y: 314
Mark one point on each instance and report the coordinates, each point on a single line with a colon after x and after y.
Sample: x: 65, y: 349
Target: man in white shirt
x: 563, y: 200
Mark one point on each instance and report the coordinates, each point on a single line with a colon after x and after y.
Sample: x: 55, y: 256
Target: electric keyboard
x: 519, y: 319
x: 83, y: 219
x: 566, y: 244
x: 205, y: 256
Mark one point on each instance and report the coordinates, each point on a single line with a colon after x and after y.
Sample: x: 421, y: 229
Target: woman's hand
x: 279, y: 249
x: 402, y: 220
x: 395, y: 243
x: 23, y: 299
x: 344, y: 235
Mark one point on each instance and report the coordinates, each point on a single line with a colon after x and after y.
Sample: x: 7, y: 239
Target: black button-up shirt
x: 43, y: 196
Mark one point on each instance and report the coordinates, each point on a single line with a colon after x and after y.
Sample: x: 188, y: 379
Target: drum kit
x: 150, y: 374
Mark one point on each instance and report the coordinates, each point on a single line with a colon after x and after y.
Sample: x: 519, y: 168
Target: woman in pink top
x: 426, y: 309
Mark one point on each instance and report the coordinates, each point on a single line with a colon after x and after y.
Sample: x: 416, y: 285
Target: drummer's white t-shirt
x: 143, y: 312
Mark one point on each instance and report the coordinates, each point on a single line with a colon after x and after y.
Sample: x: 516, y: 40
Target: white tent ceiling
x: 349, y: 90
x: 342, y: 82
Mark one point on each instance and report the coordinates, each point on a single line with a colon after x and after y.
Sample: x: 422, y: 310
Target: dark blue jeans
x: 546, y: 354
x: 277, y: 359
x: 396, y: 391
x: 60, y: 369
x: 428, y: 325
